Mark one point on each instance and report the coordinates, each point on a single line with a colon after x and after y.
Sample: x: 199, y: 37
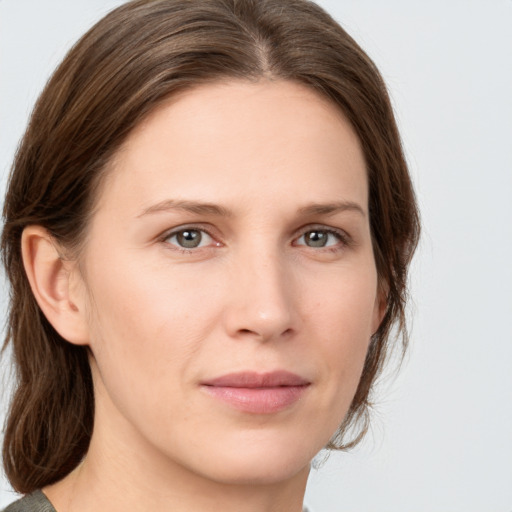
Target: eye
x: 190, y: 238
x: 319, y: 238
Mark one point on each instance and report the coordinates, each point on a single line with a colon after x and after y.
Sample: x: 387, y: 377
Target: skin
x: 255, y: 294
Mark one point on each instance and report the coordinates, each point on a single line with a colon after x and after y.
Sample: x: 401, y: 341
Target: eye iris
x: 189, y: 238
x: 316, y: 238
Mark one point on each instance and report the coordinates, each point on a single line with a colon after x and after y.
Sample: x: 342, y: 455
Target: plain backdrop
x: 441, y: 438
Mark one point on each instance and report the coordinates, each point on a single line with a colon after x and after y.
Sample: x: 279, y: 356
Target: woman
x: 207, y: 233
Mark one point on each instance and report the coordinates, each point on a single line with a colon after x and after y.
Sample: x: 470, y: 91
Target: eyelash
x: 343, y: 238
x: 182, y: 229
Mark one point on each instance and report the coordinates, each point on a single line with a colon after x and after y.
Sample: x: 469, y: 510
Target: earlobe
x: 381, y: 306
x: 50, y: 278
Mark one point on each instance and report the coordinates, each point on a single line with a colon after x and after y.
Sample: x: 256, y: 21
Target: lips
x: 257, y: 393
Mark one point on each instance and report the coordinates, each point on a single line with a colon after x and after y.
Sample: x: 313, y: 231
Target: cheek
x: 343, y: 318
x: 144, y: 329
x: 142, y: 303
x: 344, y: 303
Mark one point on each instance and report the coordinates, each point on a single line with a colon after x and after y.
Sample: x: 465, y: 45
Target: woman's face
x: 230, y: 284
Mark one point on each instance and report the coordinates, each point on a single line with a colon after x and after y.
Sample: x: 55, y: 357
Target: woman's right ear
x: 54, y: 280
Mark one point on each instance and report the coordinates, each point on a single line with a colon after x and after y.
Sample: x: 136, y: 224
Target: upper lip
x: 250, y: 379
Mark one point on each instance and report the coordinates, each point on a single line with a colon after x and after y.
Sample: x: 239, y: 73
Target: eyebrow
x: 200, y: 208
x: 187, y: 206
x: 332, y: 208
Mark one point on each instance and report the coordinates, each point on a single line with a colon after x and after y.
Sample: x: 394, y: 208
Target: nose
x: 261, y: 299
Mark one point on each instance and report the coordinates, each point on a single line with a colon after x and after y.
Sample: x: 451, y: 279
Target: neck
x: 90, y: 488
x: 123, y: 472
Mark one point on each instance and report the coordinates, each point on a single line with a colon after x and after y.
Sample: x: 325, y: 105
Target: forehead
x: 228, y: 139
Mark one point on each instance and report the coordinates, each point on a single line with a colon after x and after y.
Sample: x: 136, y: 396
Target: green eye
x: 319, y: 238
x: 316, y: 238
x: 189, y: 238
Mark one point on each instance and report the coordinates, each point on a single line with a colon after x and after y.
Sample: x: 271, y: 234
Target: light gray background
x: 442, y: 432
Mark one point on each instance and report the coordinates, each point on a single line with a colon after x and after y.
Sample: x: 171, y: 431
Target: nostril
x: 286, y: 332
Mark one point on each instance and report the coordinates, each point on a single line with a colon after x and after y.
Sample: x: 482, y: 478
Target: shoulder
x: 35, y: 502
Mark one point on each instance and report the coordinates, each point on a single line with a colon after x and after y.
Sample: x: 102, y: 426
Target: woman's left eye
x: 189, y: 238
x: 319, y: 238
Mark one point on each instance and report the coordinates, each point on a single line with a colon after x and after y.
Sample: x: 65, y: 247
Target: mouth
x: 258, y: 393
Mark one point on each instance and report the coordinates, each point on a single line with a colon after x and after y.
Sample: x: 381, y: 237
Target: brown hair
x: 122, y: 69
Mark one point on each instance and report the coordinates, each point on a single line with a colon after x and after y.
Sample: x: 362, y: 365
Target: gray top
x: 35, y: 502
x: 38, y: 502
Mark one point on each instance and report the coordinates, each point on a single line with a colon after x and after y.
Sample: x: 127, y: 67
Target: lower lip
x: 258, y: 400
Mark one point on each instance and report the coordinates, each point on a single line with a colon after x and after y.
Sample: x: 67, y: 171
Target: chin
x: 259, y: 462
x: 262, y: 472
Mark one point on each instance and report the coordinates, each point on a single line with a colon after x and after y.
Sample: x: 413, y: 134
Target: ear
x: 55, y: 284
x: 381, y: 305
